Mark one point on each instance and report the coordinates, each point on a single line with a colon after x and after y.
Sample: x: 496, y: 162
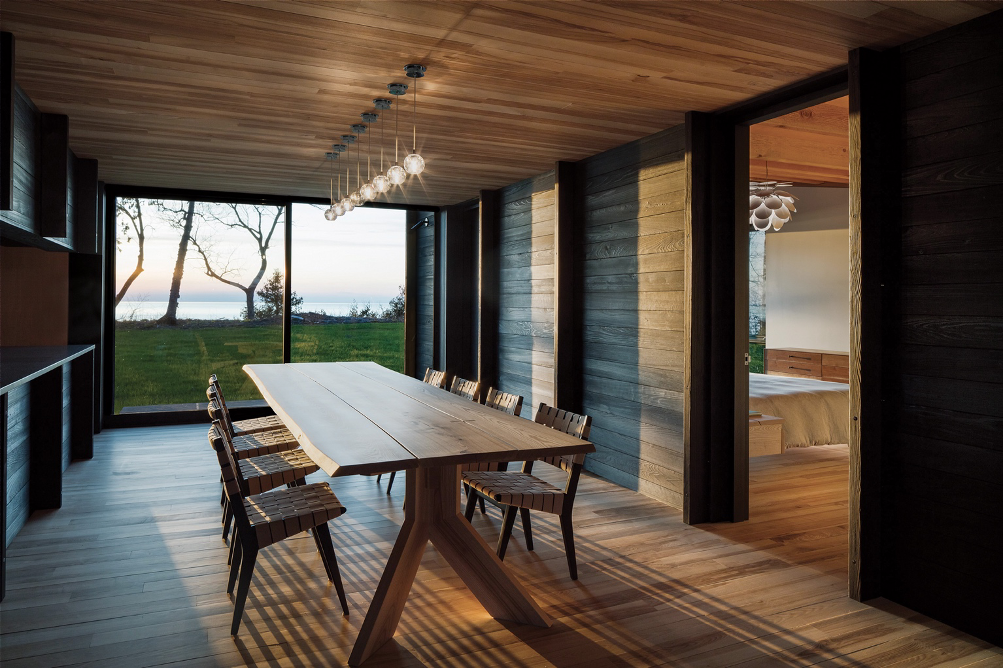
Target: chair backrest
x: 437, y: 378
x: 214, y: 384
x: 468, y: 389
x: 213, y: 395
x: 569, y: 423
x: 505, y: 402
x: 233, y: 483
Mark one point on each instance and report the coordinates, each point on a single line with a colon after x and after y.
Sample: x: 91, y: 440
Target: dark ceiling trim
x: 805, y: 93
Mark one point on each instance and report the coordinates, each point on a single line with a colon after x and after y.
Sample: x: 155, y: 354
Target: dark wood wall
x: 632, y: 256
x: 18, y: 457
x: 526, y: 290
x: 425, y: 302
x: 34, y: 302
x: 941, y: 460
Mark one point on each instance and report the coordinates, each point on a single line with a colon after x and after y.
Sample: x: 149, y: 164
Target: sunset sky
x: 360, y: 256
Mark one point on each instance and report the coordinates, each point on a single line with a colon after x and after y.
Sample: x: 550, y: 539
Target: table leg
x: 432, y: 512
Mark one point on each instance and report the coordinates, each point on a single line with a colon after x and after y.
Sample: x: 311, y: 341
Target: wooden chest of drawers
x: 819, y: 364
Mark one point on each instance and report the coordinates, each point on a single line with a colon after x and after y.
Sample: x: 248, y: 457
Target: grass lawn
x: 756, y: 358
x: 172, y: 365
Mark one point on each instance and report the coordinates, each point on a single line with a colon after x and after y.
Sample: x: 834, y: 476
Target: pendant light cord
x: 414, y: 119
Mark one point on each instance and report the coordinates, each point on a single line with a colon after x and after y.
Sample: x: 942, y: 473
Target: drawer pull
x: 796, y: 357
x: 796, y: 368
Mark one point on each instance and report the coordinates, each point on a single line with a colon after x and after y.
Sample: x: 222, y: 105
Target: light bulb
x: 356, y: 198
x: 414, y: 164
x: 381, y: 183
x: 329, y: 213
x: 348, y: 204
x: 396, y: 175
x: 339, y: 209
x: 367, y: 192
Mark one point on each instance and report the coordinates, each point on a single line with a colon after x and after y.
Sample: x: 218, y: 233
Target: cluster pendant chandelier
x: 770, y: 207
x: 369, y: 186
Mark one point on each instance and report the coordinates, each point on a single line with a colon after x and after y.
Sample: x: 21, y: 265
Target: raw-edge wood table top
x: 359, y: 417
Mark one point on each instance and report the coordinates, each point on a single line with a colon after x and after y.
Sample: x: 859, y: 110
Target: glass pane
x: 758, y: 303
x: 195, y: 295
x: 350, y: 277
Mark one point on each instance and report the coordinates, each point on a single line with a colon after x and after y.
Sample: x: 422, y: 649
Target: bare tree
x: 255, y: 221
x: 130, y: 212
x: 181, y: 218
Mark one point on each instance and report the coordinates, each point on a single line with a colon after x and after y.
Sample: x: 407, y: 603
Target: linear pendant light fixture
x: 397, y: 173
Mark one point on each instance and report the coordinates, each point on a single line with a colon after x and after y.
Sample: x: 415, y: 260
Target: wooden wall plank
x: 425, y: 297
x: 54, y: 184
x: 6, y: 120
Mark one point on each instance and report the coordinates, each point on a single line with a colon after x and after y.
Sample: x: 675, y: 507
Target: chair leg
x: 566, y: 534
x: 481, y: 504
x: 223, y: 496
x: 235, y: 564
x: 508, y: 520
x: 332, y: 565
x: 525, y: 515
x: 379, y: 475
x: 472, y: 500
x: 247, y: 570
x: 228, y: 517
x: 233, y: 542
x: 390, y: 483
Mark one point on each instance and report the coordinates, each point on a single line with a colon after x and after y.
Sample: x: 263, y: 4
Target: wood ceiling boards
x: 246, y: 96
x: 806, y: 147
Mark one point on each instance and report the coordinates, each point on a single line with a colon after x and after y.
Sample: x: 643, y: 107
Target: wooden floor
x: 132, y: 572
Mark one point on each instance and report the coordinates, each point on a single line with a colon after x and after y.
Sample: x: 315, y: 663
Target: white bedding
x: 815, y: 412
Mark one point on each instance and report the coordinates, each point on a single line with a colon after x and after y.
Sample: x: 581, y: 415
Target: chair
x: 261, y: 473
x: 437, y: 378
x: 264, y: 519
x: 513, y: 405
x: 468, y: 389
x: 520, y: 490
x: 242, y: 427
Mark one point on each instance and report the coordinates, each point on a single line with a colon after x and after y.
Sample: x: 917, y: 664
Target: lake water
x: 135, y: 310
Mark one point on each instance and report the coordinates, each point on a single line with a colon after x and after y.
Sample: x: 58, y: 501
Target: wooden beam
x: 488, y: 290
x: 45, y: 481
x: 411, y: 219
x: 460, y: 301
x: 567, y: 336
x: 874, y: 190
x: 53, y: 185
x: 6, y: 120
x: 287, y: 286
x: 82, y: 407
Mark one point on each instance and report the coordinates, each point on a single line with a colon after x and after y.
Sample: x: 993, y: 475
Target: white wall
x: 808, y: 275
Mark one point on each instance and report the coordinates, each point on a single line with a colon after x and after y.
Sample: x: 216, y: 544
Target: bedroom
x: 799, y: 324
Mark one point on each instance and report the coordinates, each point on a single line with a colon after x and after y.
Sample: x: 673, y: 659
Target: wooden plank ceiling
x: 247, y: 96
x: 807, y: 147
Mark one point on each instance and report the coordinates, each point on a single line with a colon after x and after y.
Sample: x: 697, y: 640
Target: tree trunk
x: 249, y: 296
x: 171, y: 317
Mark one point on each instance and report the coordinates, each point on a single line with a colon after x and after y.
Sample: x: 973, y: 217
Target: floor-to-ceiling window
x: 348, y: 280
x: 198, y: 290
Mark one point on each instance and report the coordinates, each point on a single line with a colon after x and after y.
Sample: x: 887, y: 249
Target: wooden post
x: 287, y: 287
x: 411, y: 219
x: 82, y: 407
x: 85, y: 207
x: 488, y: 290
x: 567, y: 336
x: 874, y: 189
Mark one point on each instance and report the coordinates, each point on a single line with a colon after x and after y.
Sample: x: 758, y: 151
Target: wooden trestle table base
x: 358, y: 417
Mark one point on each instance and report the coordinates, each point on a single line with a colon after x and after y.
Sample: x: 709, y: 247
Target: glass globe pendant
x: 396, y: 175
x: 347, y: 204
x: 357, y: 198
x: 337, y: 205
x: 414, y: 163
x: 339, y: 209
x: 367, y: 192
x: 381, y: 183
x: 329, y: 213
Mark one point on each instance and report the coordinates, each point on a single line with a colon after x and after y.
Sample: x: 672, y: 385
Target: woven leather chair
x: 437, y: 378
x: 520, y: 490
x: 263, y: 472
x: 264, y: 519
x: 468, y: 389
x: 242, y: 427
x: 513, y: 405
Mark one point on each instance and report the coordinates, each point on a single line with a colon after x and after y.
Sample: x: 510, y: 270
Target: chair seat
x: 275, y: 470
x: 518, y: 489
x: 482, y: 466
x: 288, y: 511
x: 255, y: 425
x: 255, y: 445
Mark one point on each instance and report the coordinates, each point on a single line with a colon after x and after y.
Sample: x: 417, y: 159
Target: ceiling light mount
x: 397, y: 88
x: 358, y: 128
x: 382, y: 103
x: 414, y: 71
x: 339, y: 148
x: 349, y: 139
x: 369, y: 117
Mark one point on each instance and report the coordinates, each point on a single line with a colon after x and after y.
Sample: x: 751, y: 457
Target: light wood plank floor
x: 132, y: 572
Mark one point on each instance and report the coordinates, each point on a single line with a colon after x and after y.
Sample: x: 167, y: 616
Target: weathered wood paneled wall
x: 942, y: 448
x: 526, y: 290
x: 425, y: 305
x: 18, y: 470
x: 630, y: 203
x: 27, y: 161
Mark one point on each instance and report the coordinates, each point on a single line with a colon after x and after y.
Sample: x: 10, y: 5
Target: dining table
x: 361, y: 418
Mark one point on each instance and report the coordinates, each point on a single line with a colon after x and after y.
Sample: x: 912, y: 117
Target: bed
x: 815, y: 412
